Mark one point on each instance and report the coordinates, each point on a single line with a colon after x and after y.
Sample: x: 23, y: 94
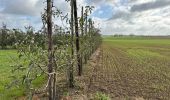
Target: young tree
x: 82, y: 21
x: 77, y: 38
x: 88, y: 10
x: 51, y: 59
x: 71, y: 76
x: 50, y: 48
x: 91, y: 35
x: 86, y: 19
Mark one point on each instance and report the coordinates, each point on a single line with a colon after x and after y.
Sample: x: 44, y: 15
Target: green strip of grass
x: 6, y: 60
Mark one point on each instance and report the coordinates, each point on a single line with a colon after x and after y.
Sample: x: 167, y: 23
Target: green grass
x: 143, y: 54
x: 148, y: 45
x: 141, y: 42
x: 6, y: 60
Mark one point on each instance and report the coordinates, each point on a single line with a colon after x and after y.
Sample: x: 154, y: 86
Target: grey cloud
x: 22, y: 7
x: 18, y: 13
x: 95, y: 2
x: 121, y: 14
x: 125, y: 19
x: 150, y: 5
x: 30, y: 7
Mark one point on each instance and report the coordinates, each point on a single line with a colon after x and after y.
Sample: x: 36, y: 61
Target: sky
x: 139, y: 17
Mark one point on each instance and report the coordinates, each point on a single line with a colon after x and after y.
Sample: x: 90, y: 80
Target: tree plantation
x: 84, y: 50
x: 53, y: 50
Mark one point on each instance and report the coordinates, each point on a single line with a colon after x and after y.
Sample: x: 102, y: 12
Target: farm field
x: 130, y: 68
x: 85, y: 50
x: 124, y: 69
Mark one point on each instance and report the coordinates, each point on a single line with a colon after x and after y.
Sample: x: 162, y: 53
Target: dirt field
x: 131, y: 69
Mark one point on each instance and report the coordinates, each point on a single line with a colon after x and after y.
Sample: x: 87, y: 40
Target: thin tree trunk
x: 77, y: 39
x: 89, y: 33
x: 71, y: 77
x: 50, y: 55
x: 86, y: 55
x: 82, y: 34
x: 54, y: 87
x: 86, y: 22
x: 55, y: 79
x: 82, y: 19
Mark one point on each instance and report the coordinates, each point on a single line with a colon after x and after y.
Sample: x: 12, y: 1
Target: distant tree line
x: 9, y: 37
x: 122, y: 35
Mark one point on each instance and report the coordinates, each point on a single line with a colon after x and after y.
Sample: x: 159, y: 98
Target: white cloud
x: 22, y: 7
x: 153, y: 20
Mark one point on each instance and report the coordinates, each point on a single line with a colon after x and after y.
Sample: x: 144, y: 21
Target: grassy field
x: 134, y: 68
x: 5, y: 71
x: 7, y: 58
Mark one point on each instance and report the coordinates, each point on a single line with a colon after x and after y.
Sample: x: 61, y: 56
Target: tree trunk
x: 82, y: 36
x: 86, y: 54
x: 82, y: 21
x: 90, y: 36
x: 50, y: 55
x: 86, y: 22
x: 71, y: 77
x: 77, y: 39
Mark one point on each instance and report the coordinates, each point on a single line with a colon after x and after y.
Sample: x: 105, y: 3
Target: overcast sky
x: 142, y: 17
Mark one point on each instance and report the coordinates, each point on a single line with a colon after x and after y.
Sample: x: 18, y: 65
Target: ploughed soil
x: 112, y: 72
x: 99, y: 76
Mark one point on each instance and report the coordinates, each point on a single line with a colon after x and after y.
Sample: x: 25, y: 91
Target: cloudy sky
x: 142, y: 17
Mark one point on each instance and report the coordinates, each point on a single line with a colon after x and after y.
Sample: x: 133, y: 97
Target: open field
x: 124, y: 69
x: 133, y: 68
x: 7, y: 58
